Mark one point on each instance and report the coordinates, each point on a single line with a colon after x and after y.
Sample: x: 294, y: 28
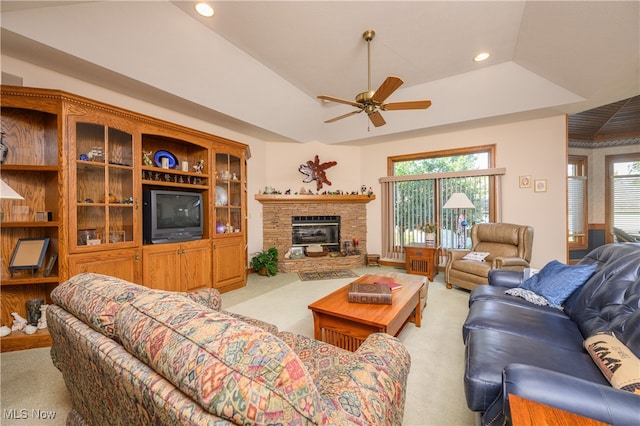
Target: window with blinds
x: 626, y: 203
x: 578, y: 236
x: 414, y: 196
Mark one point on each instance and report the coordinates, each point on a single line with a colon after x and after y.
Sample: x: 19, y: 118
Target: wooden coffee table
x: 347, y: 325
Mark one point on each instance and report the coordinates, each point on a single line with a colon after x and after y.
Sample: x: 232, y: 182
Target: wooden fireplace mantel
x: 265, y: 199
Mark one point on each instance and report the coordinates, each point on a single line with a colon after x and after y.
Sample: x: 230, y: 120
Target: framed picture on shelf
x: 29, y: 254
x: 297, y: 251
x: 540, y: 185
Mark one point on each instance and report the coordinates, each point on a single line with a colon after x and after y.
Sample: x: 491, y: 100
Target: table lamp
x: 459, y: 200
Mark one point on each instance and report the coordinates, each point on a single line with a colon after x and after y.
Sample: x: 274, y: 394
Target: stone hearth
x: 277, y: 211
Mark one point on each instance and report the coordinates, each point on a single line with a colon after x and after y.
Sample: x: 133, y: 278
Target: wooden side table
x: 525, y: 412
x: 422, y: 259
x: 373, y: 260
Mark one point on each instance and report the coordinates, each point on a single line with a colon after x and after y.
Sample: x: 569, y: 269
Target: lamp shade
x: 7, y: 193
x: 458, y: 200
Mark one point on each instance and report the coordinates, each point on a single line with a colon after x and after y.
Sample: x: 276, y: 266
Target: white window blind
x: 626, y: 203
x: 408, y: 202
x: 577, y: 189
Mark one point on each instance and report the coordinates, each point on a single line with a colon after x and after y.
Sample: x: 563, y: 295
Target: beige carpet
x: 32, y: 387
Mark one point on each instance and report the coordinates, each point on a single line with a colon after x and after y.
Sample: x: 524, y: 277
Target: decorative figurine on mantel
x: 316, y: 171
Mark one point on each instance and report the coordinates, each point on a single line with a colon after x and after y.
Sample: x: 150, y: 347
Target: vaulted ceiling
x: 257, y: 66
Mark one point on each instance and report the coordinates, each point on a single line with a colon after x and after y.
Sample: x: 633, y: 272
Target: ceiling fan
x: 371, y: 101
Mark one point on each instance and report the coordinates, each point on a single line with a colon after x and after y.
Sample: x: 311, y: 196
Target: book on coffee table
x: 392, y: 284
x: 379, y: 294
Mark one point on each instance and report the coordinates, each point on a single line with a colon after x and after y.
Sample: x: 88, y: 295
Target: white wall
x: 535, y: 147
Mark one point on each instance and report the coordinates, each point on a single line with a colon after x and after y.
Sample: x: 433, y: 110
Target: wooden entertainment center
x: 82, y: 167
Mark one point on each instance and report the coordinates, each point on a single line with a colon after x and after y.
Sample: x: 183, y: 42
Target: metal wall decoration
x: 316, y: 171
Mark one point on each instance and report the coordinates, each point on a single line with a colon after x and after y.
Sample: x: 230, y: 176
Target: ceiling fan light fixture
x: 205, y: 9
x: 482, y: 56
x: 372, y: 101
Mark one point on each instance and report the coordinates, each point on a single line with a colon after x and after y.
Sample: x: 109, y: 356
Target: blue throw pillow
x: 556, y: 281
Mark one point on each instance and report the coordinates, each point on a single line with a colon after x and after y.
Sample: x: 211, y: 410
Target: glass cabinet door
x: 228, y: 194
x: 104, y: 182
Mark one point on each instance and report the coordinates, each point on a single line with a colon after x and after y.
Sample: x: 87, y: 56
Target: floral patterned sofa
x: 130, y: 355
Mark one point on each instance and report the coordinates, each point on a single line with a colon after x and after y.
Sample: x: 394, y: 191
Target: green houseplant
x: 266, y: 262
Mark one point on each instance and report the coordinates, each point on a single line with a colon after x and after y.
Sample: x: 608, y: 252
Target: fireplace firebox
x: 312, y: 230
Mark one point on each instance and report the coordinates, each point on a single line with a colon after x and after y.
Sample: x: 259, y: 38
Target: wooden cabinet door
x: 124, y: 264
x: 195, y: 264
x: 229, y: 263
x: 161, y: 267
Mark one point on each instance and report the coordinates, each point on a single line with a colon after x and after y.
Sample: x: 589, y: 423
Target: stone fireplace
x: 278, y: 212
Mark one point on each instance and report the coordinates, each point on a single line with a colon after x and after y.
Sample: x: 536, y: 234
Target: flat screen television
x: 171, y: 216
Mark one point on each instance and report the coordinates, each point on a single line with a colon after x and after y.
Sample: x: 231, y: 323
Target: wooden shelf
x: 19, y: 340
x: 28, y: 280
x: 50, y: 224
x: 314, y: 198
x: 29, y: 168
x: 174, y: 172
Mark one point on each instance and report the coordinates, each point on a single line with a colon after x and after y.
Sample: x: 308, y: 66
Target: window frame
x: 610, y: 160
x: 491, y: 173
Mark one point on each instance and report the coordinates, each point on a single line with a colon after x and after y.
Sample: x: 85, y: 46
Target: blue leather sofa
x: 536, y: 352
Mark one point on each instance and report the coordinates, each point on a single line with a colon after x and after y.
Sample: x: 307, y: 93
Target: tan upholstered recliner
x: 508, y: 245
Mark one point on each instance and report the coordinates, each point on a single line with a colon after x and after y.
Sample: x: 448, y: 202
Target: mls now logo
x: 23, y: 414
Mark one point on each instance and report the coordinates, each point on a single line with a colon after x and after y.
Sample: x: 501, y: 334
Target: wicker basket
x: 324, y: 252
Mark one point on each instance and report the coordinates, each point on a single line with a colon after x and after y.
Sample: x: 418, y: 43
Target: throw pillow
x: 530, y: 296
x: 478, y: 256
x: 556, y: 281
x: 618, y: 364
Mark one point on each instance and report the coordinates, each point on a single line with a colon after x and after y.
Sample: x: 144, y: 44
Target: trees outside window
x: 420, y: 184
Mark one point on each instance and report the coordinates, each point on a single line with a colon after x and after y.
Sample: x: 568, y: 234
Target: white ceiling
x: 261, y: 64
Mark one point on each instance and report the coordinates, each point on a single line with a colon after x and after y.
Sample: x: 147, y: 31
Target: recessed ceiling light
x: 205, y: 10
x: 481, y: 57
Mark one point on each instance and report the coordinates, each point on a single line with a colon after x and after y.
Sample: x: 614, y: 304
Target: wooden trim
x: 445, y: 175
x: 491, y: 148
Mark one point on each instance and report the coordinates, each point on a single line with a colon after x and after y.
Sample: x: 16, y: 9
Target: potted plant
x: 429, y: 230
x: 266, y: 262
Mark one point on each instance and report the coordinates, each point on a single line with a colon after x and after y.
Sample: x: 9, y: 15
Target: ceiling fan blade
x: 387, y: 87
x: 376, y: 119
x: 406, y: 105
x: 343, y: 116
x: 339, y: 100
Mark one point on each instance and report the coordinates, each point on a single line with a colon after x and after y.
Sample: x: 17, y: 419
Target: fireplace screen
x: 311, y: 230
